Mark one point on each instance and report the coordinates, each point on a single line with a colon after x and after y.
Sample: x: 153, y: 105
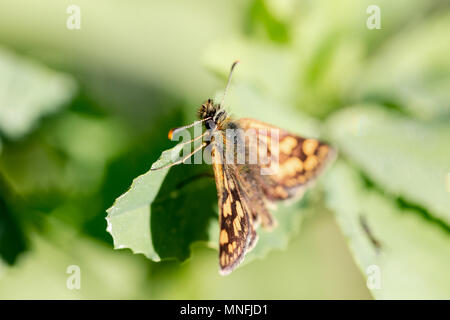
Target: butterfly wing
x: 250, y: 183
x: 299, y: 160
x: 237, y: 235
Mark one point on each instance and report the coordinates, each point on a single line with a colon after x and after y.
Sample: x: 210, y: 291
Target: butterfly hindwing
x: 295, y: 164
x: 251, y: 186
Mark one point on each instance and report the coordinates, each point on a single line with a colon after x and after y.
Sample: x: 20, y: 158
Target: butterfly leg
x: 204, y: 144
x: 195, y: 139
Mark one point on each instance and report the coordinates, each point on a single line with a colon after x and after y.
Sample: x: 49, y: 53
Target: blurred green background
x: 84, y: 111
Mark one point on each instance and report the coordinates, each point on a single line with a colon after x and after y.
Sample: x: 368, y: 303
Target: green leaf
x: 415, y: 252
x: 129, y: 218
x: 289, y: 217
x: 183, y: 211
x: 245, y: 102
x: 406, y: 158
x: 260, y: 65
x: 261, y: 20
x: 12, y: 239
x: 29, y: 91
x: 44, y: 272
x: 412, y: 71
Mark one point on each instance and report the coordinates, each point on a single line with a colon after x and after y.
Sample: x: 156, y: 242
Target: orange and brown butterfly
x: 243, y: 192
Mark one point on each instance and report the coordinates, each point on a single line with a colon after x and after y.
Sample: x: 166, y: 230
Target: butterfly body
x: 243, y: 192
x: 236, y: 219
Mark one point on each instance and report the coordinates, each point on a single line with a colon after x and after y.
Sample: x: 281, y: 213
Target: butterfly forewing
x: 243, y: 191
x: 237, y: 234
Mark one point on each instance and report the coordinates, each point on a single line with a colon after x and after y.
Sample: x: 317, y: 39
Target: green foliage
x: 29, y: 91
x: 410, y: 71
x: 69, y: 148
x: 12, y: 239
x: 414, y: 255
x: 404, y: 157
x: 129, y: 218
x: 262, y: 21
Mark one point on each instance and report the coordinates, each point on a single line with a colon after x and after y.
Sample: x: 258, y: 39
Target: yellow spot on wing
x: 323, y: 151
x: 225, y: 181
x: 290, y: 167
x: 287, y: 144
x: 231, y: 184
x: 226, y: 210
x: 223, y: 237
x: 310, y: 146
x: 311, y: 162
x: 281, y: 192
x: 236, y: 226
x: 239, y: 210
x: 237, y: 223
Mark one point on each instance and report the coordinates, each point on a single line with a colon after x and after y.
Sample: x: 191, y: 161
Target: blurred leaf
x: 12, y: 239
x: 29, y: 91
x: 262, y: 21
x: 415, y: 252
x: 268, y: 68
x: 412, y: 70
x: 333, y: 46
x: 42, y: 273
x: 31, y: 166
x: 406, y: 158
x: 244, y: 101
x: 66, y: 156
x: 327, y: 77
x: 98, y: 139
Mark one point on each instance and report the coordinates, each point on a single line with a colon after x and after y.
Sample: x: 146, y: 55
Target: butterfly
x: 246, y: 189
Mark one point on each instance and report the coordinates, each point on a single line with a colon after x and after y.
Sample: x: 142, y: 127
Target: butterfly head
x: 213, y: 112
x: 213, y: 115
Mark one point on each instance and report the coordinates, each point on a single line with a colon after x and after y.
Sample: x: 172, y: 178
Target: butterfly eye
x: 219, y: 116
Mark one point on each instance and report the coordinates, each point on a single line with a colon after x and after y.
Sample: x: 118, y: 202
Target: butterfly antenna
x: 228, y: 81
